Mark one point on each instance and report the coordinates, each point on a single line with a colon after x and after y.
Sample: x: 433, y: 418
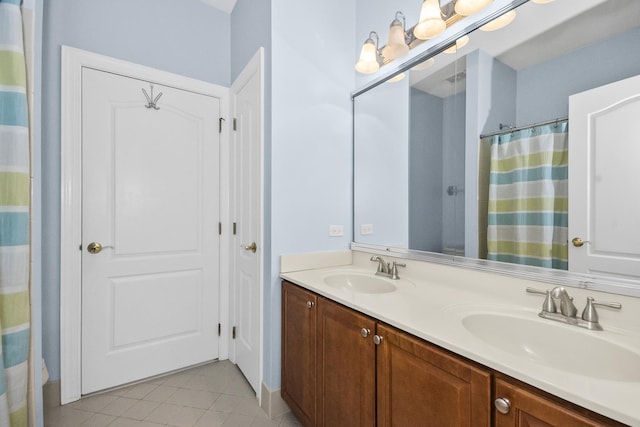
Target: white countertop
x: 431, y: 301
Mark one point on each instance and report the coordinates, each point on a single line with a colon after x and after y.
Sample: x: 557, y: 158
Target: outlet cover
x: 336, y: 230
x: 366, y: 229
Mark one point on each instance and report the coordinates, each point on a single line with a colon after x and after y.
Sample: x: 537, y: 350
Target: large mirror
x: 427, y: 165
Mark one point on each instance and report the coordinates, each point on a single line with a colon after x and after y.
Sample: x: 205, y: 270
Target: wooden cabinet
x: 334, y: 375
x: 531, y: 408
x: 299, y: 313
x: 346, y: 367
x: 420, y: 384
x: 328, y: 362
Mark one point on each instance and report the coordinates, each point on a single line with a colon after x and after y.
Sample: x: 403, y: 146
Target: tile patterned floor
x: 213, y: 395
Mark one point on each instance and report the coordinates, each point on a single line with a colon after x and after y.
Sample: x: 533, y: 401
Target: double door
x: 342, y: 368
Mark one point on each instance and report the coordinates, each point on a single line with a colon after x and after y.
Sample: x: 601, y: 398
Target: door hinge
x: 220, y: 120
x: 220, y: 228
x: 219, y: 329
x: 235, y: 124
x: 234, y: 228
x: 233, y: 332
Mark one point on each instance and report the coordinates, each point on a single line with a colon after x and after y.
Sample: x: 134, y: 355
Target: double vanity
x: 368, y: 339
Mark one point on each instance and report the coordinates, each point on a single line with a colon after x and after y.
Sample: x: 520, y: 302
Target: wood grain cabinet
x: 299, y: 314
x: 522, y: 406
x: 328, y: 361
x: 420, y: 384
x: 341, y: 368
x: 346, y: 367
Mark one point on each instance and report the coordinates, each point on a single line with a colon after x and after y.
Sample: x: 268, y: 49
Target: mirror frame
x: 609, y: 284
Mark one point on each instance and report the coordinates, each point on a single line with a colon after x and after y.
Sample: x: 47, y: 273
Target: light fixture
x: 469, y: 7
x: 368, y: 62
x: 423, y: 65
x: 459, y: 44
x: 542, y: 1
x: 397, y: 77
x: 431, y: 23
x: 397, y: 43
x: 500, y: 22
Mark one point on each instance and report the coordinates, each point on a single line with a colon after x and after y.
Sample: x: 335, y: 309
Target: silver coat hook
x: 151, y: 102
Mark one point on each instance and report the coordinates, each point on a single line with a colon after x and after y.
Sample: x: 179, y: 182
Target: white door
x: 247, y: 213
x: 604, y: 151
x: 150, y: 198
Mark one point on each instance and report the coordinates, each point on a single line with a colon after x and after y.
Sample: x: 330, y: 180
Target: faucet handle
x: 591, y: 315
x: 548, y: 306
x: 394, y: 269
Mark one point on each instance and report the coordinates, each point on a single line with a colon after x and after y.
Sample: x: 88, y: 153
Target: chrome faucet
x: 568, y: 311
x: 383, y: 266
x: 387, y: 269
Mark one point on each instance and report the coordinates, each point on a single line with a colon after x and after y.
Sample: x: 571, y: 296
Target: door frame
x: 253, y: 67
x: 73, y: 61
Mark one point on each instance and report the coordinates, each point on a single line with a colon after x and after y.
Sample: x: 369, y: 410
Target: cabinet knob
x: 503, y: 405
x: 377, y: 339
x: 310, y: 304
x: 364, y: 332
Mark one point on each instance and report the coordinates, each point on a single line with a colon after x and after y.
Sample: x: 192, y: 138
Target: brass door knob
x: 252, y: 247
x: 578, y: 242
x: 94, y: 248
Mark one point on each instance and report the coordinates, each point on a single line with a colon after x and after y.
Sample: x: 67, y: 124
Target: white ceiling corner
x: 223, y: 5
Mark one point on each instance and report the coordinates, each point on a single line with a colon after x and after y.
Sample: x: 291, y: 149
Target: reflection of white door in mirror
x: 604, y: 141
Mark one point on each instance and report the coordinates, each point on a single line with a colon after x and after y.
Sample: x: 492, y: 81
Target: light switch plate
x: 366, y: 229
x: 336, y: 230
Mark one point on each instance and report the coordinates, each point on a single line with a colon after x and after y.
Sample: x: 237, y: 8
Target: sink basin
x: 579, y: 352
x: 360, y: 283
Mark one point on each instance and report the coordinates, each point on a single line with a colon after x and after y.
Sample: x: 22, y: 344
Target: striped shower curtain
x: 528, y: 212
x: 14, y: 219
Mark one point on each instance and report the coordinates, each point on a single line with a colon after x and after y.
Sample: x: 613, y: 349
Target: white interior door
x: 604, y: 149
x: 150, y: 198
x: 247, y: 213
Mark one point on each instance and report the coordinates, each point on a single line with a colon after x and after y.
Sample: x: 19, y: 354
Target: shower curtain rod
x: 515, y: 129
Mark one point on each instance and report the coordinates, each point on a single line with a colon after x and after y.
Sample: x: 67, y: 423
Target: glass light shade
x: 396, y: 45
x: 424, y: 65
x: 397, y: 78
x: 431, y: 23
x: 500, y: 22
x: 368, y: 62
x: 460, y: 43
x: 469, y: 7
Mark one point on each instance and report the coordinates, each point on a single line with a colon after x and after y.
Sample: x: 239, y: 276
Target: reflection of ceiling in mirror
x: 539, y: 32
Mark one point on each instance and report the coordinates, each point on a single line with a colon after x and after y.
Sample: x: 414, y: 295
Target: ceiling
x: 540, y: 32
x: 223, y: 5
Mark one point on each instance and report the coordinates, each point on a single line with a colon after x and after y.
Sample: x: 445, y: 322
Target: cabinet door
x: 528, y: 409
x: 299, y: 308
x: 346, y: 367
x: 420, y: 384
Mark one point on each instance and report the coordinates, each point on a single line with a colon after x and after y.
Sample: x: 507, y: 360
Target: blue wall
x: 425, y: 171
x: 543, y: 90
x: 381, y: 166
x: 186, y: 37
x: 312, y: 76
